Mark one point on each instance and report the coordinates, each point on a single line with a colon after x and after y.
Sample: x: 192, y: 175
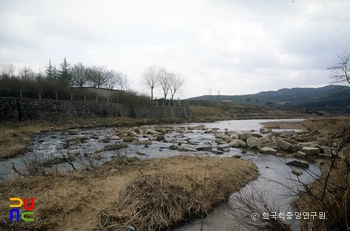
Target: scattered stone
x: 300, y: 154
x: 296, y: 148
x: 140, y: 153
x: 114, y: 138
x: 244, y: 136
x: 234, y: 136
x: 297, y: 172
x: 224, y: 147
x: 132, y: 134
x: 271, y: 144
x: 237, y: 156
x: 265, y: 130
x: 204, y: 148
x: 311, y: 151
x: 129, y: 139
x: 243, y: 151
x: 237, y: 143
x: 186, y: 149
x: 298, y: 163
x: 220, y: 141
x: 173, y: 147
x: 218, y: 152
x: 160, y: 137
x: 151, y: 131
x: 283, y: 144
x: 268, y: 150
x: 254, y: 142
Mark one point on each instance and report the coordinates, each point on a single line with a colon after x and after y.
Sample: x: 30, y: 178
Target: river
x: 273, y: 171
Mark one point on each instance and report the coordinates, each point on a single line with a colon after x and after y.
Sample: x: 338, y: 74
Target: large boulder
x: 237, y: 143
x: 244, y: 136
x: 271, y: 144
x: 283, y: 144
x: 254, y: 142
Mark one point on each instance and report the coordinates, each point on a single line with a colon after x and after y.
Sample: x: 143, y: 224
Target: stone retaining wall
x: 32, y: 109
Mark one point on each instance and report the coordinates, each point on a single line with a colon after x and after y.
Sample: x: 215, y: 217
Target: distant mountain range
x: 331, y: 96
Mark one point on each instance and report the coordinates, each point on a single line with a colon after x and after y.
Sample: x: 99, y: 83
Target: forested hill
x: 328, y: 96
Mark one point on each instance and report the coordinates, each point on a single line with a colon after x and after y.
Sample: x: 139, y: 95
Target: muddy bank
x: 71, y: 201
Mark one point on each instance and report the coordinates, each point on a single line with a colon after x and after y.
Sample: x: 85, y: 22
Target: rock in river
x: 299, y: 163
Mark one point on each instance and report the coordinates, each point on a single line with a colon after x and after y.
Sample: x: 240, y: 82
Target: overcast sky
x: 235, y: 47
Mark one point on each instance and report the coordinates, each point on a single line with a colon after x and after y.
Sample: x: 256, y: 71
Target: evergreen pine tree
x: 65, y: 75
x: 51, y: 72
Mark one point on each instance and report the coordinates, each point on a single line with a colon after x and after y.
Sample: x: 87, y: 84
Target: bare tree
x: 79, y: 75
x: 150, y: 77
x: 163, y: 80
x: 124, y: 82
x: 175, y: 83
x: 27, y: 74
x: 7, y: 70
x: 340, y: 72
x: 101, y: 76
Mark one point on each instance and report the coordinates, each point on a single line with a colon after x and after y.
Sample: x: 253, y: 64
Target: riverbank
x: 329, y: 194
x: 326, y: 200
x: 114, y: 195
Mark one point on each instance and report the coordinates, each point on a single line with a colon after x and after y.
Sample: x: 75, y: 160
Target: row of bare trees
x: 167, y: 81
x: 98, y: 77
x: 77, y: 75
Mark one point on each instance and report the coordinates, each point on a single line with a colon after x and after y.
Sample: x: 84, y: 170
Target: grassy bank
x: 148, y: 195
x: 330, y: 193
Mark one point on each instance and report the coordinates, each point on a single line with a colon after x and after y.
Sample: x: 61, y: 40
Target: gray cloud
x: 234, y: 47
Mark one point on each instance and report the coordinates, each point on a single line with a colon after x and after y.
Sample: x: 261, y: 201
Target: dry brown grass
x: 284, y: 125
x: 199, y: 111
x: 333, y: 199
x: 327, y: 126
x: 336, y: 203
x: 72, y: 201
x: 158, y: 200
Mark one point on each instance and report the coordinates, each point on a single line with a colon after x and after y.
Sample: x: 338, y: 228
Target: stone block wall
x: 33, y: 109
